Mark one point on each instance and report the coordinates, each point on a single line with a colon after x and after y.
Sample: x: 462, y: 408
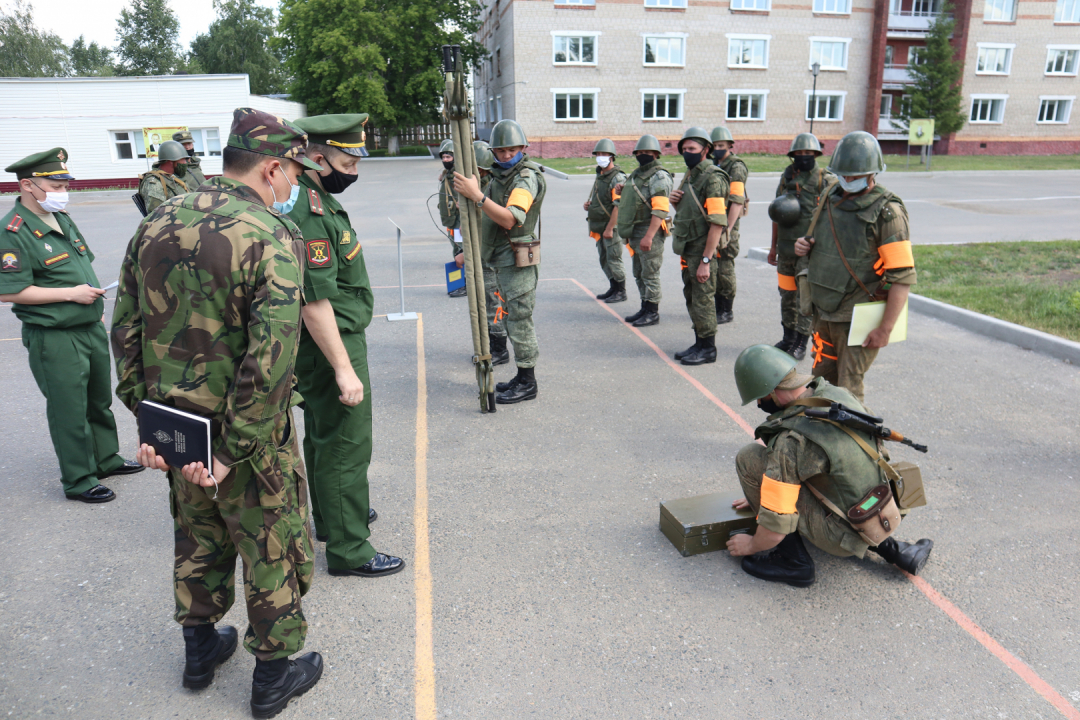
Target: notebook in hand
x: 179, y: 437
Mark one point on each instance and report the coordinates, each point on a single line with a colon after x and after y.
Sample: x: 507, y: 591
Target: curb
x: 991, y: 327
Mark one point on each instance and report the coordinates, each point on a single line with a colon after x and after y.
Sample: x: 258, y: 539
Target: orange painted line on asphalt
x: 425, y: 651
x: 9, y: 339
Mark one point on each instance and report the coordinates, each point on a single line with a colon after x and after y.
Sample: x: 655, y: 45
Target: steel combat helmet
x: 484, y: 157
x: 171, y: 150
x: 648, y: 142
x: 696, y: 133
x: 858, y: 153
x: 604, y: 146
x: 721, y: 134
x: 785, y: 210
x: 507, y: 134
x: 447, y: 146
x: 805, y: 141
x: 760, y: 369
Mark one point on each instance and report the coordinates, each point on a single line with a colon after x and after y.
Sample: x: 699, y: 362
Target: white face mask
x: 54, y: 201
x: 855, y: 186
x: 603, y: 160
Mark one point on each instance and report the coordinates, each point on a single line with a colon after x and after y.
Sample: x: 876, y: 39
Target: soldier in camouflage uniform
x: 700, y: 224
x: 511, y: 206
x: 643, y: 210
x: 495, y: 309
x: 168, y: 178
x: 869, y: 226
x: 603, y: 218
x: 207, y: 320
x: 194, y: 162
x: 724, y: 156
x: 450, y: 208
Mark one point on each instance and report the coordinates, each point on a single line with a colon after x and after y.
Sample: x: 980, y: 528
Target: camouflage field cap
x: 48, y: 164
x: 266, y: 134
x: 183, y: 136
x: 344, y: 131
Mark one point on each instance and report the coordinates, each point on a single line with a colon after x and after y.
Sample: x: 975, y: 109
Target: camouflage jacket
x: 157, y: 186
x: 195, y: 176
x: 207, y: 316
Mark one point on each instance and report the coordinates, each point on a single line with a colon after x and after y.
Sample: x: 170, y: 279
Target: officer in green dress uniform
x: 496, y: 311
x: 46, y: 273
x: 332, y: 370
x: 802, y: 451
x: 511, y: 206
x: 603, y: 218
x: 194, y: 162
x: 449, y: 208
x: 724, y: 156
x: 168, y: 178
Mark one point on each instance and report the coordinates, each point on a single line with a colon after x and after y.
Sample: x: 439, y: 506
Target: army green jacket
x: 807, y: 188
x: 652, y: 182
x: 521, y: 190
x: 207, y: 317
x: 738, y: 174
x: 157, y: 186
x: 602, y: 198
x: 449, y: 203
x: 708, y: 184
x: 194, y: 169
x: 33, y: 253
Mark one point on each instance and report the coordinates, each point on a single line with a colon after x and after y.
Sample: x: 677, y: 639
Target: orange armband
x: 778, y: 496
x: 896, y: 255
x: 661, y: 203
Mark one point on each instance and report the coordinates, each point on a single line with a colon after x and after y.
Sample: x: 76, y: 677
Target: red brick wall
x: 555, y: 148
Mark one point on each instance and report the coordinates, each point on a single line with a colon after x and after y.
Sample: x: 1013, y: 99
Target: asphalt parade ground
x: 538, y: 583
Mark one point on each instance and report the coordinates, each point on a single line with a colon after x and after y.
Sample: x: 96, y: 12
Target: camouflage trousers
x: 495, y: 310
x: 260, y: 514
x: 725, y: 266
x: 816, y: 523
x: 646, y: 265
x: 789, y: 294
x: 610, y: 252
x: 700, y: 296
x: 518, y: 289
x: 836, y: 361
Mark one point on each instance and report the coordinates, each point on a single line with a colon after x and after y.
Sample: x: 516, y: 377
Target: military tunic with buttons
x: 738, y: 174
x: 449, y: 209
x: 337, y: 442
x: 602, y: 202
x: 645, y: 196
x: 157, y: 186
x: 702, y: 206
x: 807, y: 187
x: 66, y: 341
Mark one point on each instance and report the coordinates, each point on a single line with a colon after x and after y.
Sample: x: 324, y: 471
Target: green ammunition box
x: 703, y: 523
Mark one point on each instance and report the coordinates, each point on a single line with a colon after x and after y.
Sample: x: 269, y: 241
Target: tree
x: 26, y: 50
x: 147, y: 31
x: 90, y: 60
x: 237, y: 42
x: 936, y: 89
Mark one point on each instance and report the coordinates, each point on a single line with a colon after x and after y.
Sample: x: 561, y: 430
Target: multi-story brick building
x: 572, y: 71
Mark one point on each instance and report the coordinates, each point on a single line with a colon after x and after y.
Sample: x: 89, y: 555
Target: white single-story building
x: 100, y: 121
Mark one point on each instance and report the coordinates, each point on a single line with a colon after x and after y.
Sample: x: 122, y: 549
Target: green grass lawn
x: 1035, y: 284
x: 895, y: 163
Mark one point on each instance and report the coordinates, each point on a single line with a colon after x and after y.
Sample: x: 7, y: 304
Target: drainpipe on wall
x: 878, y: 39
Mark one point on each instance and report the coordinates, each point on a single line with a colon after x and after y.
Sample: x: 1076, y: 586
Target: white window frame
x: 737, y: 37
x: 491, y: 109
x: 1060, y: 14
x: 990, y: 9
x: 135, y: 139
x: 738, y: 91
x: 595, y: 35
x: 681, y: 92
x: 846, y: 42
x: 767, y: 8
x: 645, y: 37
x: 199, y: 137
x: 498, y: 108
x: 481, y: 112
x: 985, y: 96
x: 595, y: 92
x: 842, y: 94
x: 1007, y: 47
x: 886, y: 100
x: 680, y: 4
x: 1070, y: 99
x: 1065, y: 49
x: 831, y: 12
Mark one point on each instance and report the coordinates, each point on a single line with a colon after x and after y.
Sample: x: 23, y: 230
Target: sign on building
x: 154, y: 136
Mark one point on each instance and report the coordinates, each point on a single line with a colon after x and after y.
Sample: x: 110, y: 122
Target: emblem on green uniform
x: 48, y: 247
x: 346, y: 238
x: 318, y: 253
x: 9, y: 261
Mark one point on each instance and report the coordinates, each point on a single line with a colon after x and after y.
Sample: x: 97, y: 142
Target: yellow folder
x: 868, y: 316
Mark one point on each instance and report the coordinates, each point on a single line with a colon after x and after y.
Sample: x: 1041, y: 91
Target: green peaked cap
x: 344, y: 131
x: 260, y: 132
x: 48, y: 164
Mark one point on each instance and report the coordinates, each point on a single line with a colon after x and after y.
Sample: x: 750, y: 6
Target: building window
x: 1055, y: 109
x: 827, y: 106
x: 491, y: 110
x: 1000, y: 10
x: 1068, y: 11
x: 746, y: 104
x: 748, y: 51
x: 575, y: 104
x: 987, y: 108
x: 577, y: 49
x: 760, y: 5
x: 481, y: 114
x: 890, y: 53
x: 665, y: 3
x: 668, y: 49
x: 498, y: 62
x: 994, y: 59
x: 915, y: 55
x: 832, y: 53
x: 498, y: 108
x: 886, y: 106
x: 1061, y: 60
x: 840, y: 7
x: 128, y: 144
x: 575, y: 2
x: 662, y: 104
x: 206, y: 141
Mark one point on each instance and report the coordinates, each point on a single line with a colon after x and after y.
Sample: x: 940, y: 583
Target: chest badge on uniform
x: 48, y: 247
x: 38, y: 233
x: 318, y: 253
x: 346, y: 238
x: 9, y: 261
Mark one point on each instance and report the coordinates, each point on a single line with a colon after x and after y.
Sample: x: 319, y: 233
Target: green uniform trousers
x: 789, y: 299
x: 836, y: 361
x: 72, y: 369
x: 725, y: 270
x: 261, y: 515
x: 700, y: 296
x: 337, y: 451
x: 495, y: 310
x: 518, y: 289
x: 816, y: 523
x: 646, y: 265
x: 610, y: 252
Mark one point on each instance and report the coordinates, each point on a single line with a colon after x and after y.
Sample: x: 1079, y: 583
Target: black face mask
x: 803, y: 163
x: 448, y: 164
x: 691, y: 158
x: 719, y: 155
x: 769, y: 405
x: 644, y: 159
x: 337, y: 181
x: 191, y: 152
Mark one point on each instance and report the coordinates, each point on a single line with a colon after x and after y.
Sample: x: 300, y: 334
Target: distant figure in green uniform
x: 724, y: 156
x: 511, y: 206
x: 603, y: 218
x: 450, y: 208
x: 169, y: 177
x: 194, y: 162
x: 496, y: 311
x: 332, y: 369
x: 46, y: 273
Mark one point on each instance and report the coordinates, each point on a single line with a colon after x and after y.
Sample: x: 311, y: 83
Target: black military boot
x: 499, y: 354
x: 723, y: 310
x: 611, y: 289
x: 522, y: 387
x: 636, y: 316
x: 789, y: 338
x: 798, y: 347
x: 205, y: 648
x: 650, y: 316
x: 705, y: 352
x: 275, y: 682
x: 906, y: 556
x: 690, y: 350
x: 788, y: 562
x: 618, y: 294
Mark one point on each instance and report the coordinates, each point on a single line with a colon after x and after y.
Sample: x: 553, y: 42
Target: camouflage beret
x: 50, y: 163
x: 183, y: 136
x: 266, y: 134
x: 344, y: 131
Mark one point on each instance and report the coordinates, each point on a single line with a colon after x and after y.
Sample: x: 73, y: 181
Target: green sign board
x: 921, y: 132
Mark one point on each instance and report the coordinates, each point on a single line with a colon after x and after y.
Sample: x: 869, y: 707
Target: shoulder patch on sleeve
x: 9, y: 260
x: 318, y: 253
x: 15, y: 224
x: 315, y: 201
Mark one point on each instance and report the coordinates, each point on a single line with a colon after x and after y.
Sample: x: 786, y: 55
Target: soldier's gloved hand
x: 676, y: 196
x: 352, y: 390
x: 803, y: 246
x: 85, y: 294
